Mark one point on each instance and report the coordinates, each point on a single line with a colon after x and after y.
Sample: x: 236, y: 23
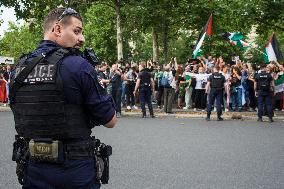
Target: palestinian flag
x: 236, y: 39
x: 272, y: 51
x: 206, y: 32
x: 279, y: 84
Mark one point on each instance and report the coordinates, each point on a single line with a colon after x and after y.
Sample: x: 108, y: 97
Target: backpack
x: 165, y: 81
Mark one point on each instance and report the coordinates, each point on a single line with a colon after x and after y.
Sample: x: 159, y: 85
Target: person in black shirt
x: 216, y: 83
x: 102, y: 76
x: 236, y: 89
x: 116, y: 82
x: 145, y: 83
x: 264, y: 90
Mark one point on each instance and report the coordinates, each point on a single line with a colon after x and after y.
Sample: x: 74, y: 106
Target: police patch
x: 42, y: 73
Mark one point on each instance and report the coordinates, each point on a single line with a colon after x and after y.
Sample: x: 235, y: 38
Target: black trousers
x: 265, y: 98
x: 116, y: 95
x: 200, y: 98
x: 145, y: 97
x: 129, y: 88
x: 160, y: 95
x: 215, y: 94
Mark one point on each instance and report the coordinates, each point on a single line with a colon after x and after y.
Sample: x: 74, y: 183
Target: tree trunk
x: 118, y: 30
x: 155, y: 45
x: 165, y: 42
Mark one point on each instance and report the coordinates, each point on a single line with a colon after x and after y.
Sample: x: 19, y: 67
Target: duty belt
x: 48, y: 150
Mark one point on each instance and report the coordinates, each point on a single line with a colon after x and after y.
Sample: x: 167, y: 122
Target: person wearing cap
x: 56, y: 99
x: 216, y: 83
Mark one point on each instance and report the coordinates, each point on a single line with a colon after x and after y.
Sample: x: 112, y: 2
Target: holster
x: 102, y: 153
x: 21, y: 156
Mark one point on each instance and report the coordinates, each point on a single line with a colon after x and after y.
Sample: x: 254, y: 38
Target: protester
x: 168, y: 82
x: 3, y: 91
x: 200, y: 96
x: 116, y: 82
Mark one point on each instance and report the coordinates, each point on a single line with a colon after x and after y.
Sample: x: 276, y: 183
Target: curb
x: 201, y: 116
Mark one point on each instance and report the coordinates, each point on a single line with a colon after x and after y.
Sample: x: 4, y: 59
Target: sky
x: 7, y: 15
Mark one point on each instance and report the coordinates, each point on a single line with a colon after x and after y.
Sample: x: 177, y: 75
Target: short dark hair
x: 217, y: 67
x: 54, y: 15
x: 262, y: 65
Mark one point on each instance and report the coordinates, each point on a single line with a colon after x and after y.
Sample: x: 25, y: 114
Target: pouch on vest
x: 46, y: 150
x: 264, y: 86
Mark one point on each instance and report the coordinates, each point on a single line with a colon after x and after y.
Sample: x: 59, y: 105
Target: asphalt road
x: 180, y: 153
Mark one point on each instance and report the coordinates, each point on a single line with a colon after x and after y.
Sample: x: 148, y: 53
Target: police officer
x: 56, y: 100
x: 145, y: 83
x: 216, y: 83
x: 264, y: 90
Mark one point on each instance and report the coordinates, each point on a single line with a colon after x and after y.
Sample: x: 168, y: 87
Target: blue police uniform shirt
x: 80, y: 86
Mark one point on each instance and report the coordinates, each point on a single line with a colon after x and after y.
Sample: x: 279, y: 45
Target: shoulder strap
x: 19, y: 80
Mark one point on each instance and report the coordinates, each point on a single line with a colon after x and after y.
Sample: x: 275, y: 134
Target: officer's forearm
x: 137, y: 85
x: 112, y: 122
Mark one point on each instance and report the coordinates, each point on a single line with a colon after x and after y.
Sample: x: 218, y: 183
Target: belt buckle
x: 45, y: 150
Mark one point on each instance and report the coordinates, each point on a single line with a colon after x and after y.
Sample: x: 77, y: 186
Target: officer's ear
x: 57, y: 29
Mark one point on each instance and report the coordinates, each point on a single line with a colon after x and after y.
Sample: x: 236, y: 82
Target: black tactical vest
x: 217, y: 81
x: 145, y: 79
x: 38, y: 103
x: 263, y: 82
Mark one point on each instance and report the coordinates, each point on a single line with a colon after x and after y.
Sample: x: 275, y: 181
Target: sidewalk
x: 179, y: 113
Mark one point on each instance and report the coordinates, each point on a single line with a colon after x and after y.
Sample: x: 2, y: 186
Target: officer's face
x: 72, y: 34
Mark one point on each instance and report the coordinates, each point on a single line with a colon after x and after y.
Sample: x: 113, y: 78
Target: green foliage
x: 100, y: 31
x: 19, y: 40
x: 178, y: 24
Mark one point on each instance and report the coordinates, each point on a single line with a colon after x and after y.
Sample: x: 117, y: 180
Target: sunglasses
x: 67, y: 12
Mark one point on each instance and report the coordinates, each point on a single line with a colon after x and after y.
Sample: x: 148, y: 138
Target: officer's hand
x: 134, y: 93
x: 256, y: 94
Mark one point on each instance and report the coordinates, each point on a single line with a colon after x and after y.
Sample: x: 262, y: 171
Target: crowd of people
x: 183, y: 85
x: 5, y: 75
x: 180, y: 85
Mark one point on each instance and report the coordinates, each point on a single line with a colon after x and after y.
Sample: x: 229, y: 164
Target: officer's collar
x: 45, y: 46
x: 48, y: 44
x: 145, y: 69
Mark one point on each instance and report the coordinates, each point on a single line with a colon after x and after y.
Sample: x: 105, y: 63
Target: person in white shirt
x: 200, y: 96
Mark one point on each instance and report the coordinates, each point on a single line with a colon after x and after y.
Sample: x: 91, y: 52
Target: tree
x: 100, y: 31
x: 25, y: 41
x: 162, y: 29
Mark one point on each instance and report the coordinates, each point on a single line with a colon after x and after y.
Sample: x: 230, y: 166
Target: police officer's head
x: 216, y: 69
x: 65, y: 27
x: 142, y: 66
x: 262, y: 67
